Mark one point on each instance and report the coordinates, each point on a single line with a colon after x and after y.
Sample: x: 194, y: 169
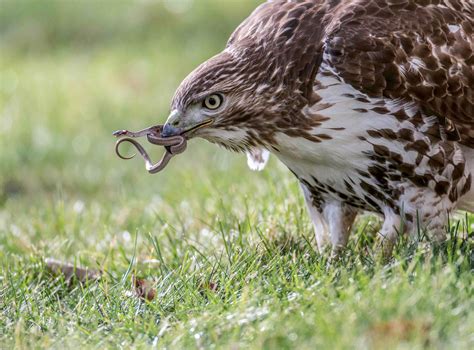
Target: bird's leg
x: 332, y: 222
x: 321, y: 229
x: 427, y: 212
x: 393, y: 226
x: 433, y: 223
x: 340, y: 218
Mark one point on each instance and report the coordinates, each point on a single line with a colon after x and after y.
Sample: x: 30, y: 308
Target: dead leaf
x: 399, y: 330
x: 212, y: 286
x: 143, y: 289
x: 70, y: 271
x: 208, y: 286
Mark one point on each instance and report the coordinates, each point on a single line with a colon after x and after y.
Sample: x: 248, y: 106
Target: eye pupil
x: 212, y: 102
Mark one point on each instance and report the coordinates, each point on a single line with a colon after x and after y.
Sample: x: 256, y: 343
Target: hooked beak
x: 169, y: 131
x: 172, y: 126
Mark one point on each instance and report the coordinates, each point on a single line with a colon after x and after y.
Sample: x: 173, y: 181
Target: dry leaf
x: 143, y: 289
x: 212, y: 286
x: 69, y: 271
x: 399, y: 330
x: 208, y: 286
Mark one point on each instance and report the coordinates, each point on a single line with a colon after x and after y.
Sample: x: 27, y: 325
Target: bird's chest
x: 337, y: 182
x: 332, y: 165
x: 369, y: 152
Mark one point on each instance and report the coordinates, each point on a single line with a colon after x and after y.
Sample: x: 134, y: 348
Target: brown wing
x: 281, y: 39
x: 419, y: 51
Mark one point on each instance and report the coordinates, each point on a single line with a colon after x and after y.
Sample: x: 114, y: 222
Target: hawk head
x: 257, y: 85
x: 227, y: 100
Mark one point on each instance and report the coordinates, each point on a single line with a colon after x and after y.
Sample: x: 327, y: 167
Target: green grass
x: 70, y: 74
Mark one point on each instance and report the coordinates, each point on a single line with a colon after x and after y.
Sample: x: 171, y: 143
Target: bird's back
x: 410, y: 51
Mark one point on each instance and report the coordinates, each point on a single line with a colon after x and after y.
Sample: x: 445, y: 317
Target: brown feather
x: 406, y: 50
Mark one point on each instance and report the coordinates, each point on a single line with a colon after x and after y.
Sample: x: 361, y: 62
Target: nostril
x: 175, y: 123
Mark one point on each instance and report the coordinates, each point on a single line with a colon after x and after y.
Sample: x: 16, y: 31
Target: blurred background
x: 72, y: 72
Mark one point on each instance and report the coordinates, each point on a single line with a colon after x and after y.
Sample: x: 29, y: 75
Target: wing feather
x: 417, y: 51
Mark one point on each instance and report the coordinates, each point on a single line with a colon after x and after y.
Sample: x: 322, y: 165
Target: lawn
x: 230, y: 253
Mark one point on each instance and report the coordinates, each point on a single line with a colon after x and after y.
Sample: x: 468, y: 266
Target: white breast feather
x: 257, y: 159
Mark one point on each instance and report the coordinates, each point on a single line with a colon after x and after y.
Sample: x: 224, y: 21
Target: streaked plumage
x: 368, y: 102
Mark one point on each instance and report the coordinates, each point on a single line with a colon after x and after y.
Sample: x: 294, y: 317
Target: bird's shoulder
x: 412, y: 50
x: 417, y: 51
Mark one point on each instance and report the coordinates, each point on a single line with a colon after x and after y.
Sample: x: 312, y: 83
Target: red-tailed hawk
x: 369, y: 103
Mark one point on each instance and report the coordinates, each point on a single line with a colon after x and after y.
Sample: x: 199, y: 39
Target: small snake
x: 173, y: 145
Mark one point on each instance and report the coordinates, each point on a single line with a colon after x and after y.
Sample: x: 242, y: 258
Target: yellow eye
x: 213, y: 101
